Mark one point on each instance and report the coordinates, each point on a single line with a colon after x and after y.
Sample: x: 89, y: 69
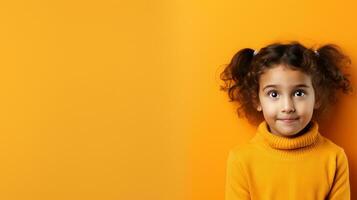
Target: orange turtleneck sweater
x: 272, y: 167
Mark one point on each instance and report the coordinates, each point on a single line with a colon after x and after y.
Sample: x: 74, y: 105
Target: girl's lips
x: 288, y: 120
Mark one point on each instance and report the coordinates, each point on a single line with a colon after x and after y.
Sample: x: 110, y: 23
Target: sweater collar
x: 280, y: 142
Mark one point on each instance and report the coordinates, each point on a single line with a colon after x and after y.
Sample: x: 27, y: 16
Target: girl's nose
x: 288, y: 105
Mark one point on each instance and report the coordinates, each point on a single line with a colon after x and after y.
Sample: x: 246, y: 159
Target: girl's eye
x: 273, y: 94
x: 300, y: 93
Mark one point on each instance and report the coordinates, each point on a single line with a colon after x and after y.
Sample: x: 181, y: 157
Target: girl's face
x: 287, y: 99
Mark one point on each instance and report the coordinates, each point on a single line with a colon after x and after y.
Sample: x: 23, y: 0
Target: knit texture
x: 272, y: 167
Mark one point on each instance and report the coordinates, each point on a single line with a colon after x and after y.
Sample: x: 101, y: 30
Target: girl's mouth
x: 289, y: 120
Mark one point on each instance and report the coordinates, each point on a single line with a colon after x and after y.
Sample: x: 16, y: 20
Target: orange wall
x: 120, y: 100
x: 210, y: 33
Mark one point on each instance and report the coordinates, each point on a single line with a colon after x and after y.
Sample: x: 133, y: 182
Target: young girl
x: 286, y: 88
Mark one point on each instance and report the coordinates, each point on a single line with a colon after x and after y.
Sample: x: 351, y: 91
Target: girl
x: 286, y: 88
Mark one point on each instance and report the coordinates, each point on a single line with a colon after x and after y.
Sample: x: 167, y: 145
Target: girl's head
x: 286, y: 84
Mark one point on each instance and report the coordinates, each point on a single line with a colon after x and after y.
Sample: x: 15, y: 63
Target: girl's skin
x: 286, y: 94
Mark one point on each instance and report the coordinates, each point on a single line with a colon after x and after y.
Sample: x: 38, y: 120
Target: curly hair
x: 325, y: 66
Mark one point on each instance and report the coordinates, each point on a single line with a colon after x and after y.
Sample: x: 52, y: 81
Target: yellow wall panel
x: 120, y: 99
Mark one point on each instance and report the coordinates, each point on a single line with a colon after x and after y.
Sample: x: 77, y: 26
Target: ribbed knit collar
x: 280, y: 142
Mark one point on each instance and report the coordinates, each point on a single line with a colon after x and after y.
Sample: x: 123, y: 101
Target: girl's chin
x: 288, y: 131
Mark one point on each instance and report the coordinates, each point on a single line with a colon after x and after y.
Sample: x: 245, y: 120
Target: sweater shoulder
x: 331, y: 146
x: 242, y: 151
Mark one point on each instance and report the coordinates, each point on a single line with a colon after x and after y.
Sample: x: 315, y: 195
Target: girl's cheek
x: 270, y: 109
x: 305, y: 107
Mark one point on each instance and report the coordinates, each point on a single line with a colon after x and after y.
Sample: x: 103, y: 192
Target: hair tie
x: 255, y: 52
x: 316, y: 52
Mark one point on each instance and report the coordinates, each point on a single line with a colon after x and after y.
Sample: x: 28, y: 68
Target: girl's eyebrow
x: 296, y: 86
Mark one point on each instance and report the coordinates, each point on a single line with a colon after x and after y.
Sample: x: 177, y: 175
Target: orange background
x: 120, y: 99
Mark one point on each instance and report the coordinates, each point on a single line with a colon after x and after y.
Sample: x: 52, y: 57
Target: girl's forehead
x: 284, y: 76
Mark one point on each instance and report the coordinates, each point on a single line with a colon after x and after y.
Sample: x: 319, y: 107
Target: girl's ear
x: 317, y: 103
x: 259, y: 108
x: 257, y: 104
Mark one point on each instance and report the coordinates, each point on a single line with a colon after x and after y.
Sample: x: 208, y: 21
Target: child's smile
x: 287, y: 99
